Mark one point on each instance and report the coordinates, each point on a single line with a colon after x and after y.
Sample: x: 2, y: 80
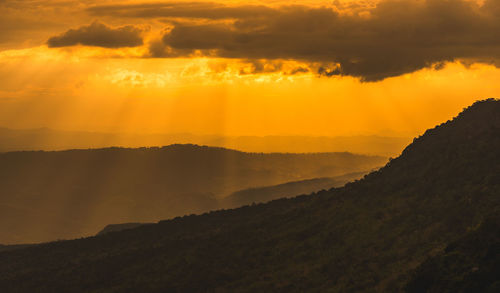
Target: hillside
x: 470, y: 264
x: 111, y: 228
x: 289, y: 189
x: 263, y: 194
x: 45, y: 196
x: 12, y: 247
x: 366, y: 236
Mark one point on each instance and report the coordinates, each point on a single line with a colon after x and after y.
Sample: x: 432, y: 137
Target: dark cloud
x: 270, y: 66
x: 99, y: 35
x: 373, y: 42
x: 158, y: 49
x: 207, y: 10
x: 25, y: 24
x: 299, y: 70
x: 261, y: 66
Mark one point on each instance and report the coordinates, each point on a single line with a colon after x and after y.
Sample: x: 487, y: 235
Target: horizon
x: 249, y: 146
x: 51, y: 140
x: 400, y: 135
x: 433, y: 209
x: 141, y: 67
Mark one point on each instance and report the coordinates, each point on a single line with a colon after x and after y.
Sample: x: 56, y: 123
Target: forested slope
x: 45, y: 196
x: 367, y: 236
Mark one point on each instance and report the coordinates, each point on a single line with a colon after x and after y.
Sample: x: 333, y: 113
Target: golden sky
x: 246, y: 67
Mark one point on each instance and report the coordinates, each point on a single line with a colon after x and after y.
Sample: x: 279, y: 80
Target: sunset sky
x: 311, y: 67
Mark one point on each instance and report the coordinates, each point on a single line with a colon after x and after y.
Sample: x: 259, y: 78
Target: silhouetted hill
x: 12, y: 247
x: 367, y: 236
x: 470, y: 264
x: 50, y: 139
x: 45, y: 196
x: 263, y: 194
x: 120, y: 227
x: 289, y: 189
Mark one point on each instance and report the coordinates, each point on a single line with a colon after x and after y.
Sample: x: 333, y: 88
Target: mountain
x: 263, y: 194
x: 368, y: 236
x: 289, y: 189
x: 50, y: 139
x: 12, y: 247
x: 120, y: 227
x: 45, y: 196
x: 470, y: 264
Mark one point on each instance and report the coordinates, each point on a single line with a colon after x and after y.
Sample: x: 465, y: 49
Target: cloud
x: 99, y: 35
x: 372, y: 43
x: 26, y: 24
x: 207, y: 10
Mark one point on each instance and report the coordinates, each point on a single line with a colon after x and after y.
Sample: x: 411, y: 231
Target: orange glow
x: 118, y: 90
x: 64, y: 90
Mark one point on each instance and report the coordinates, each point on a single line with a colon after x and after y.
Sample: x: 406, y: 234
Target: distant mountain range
x: 46, y: 196
x: 49, y: 139
x: 426, y: 222
x: 264, y: 194
x: 290, y: 189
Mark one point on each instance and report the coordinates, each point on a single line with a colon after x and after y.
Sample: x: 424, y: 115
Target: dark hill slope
x: 364, y: 237
x: 112, y: 228
x: 471, y: 264
x: 263, y: 194
x: 45, y: 196
x: 289, y: 189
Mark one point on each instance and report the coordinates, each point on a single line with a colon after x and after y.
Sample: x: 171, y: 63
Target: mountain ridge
x: 261, y: 194
x: 49, y: 195
x: 366, y: 236
x: 51, y: 139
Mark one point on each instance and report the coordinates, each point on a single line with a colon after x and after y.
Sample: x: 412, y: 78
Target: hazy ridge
x: 263, y: 194
x: 45, y: 196
x: 371, y: 235
x: 50, y: 139
x: 289, y: 189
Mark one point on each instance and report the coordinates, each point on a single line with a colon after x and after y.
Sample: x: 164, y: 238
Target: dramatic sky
x: 245, y: 67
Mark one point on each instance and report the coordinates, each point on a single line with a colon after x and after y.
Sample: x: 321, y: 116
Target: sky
x: 314, y: 68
